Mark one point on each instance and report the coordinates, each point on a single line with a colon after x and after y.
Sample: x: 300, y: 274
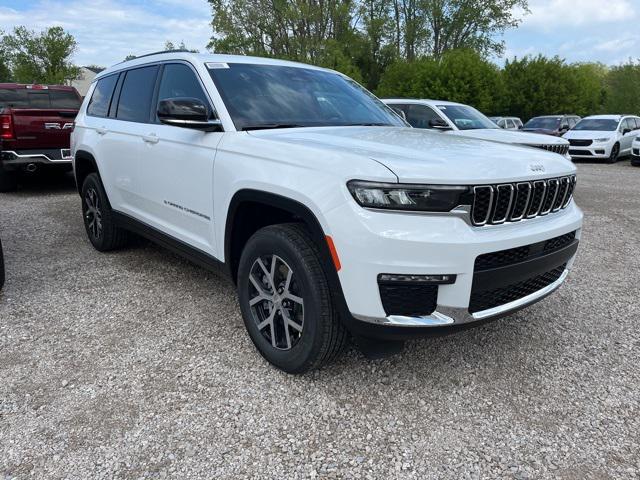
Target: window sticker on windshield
x: 442, y: 107
x: 214, y: 65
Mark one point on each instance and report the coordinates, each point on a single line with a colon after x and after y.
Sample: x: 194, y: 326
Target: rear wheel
x: 99, y: 222
x: 286, y: 302
x: 615, y: 152
x: 8, y: 180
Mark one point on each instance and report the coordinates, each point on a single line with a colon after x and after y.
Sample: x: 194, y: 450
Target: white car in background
x: 635, y: 152
x: 605, y: 137
x: 507, y: 123
x: 465, y: 121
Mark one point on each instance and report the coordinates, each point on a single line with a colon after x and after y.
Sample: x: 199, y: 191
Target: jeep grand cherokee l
x: 330, y: 214
x: 35, y: 126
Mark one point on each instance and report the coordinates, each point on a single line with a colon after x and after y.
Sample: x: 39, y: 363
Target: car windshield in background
x: 23, y: 98
x: 276, y: 96
x: 597, y: 124
x: 466, y: 118
x: 545, y: 123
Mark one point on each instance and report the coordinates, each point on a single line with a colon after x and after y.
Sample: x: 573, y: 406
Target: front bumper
x: 49, y: 156
x: 372, y: 243
x: 600, y: 151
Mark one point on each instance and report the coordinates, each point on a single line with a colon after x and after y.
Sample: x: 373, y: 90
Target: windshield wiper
x: 267, y: 126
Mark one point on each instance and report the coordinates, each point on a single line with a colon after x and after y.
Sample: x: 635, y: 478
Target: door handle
x: 151, y: 138
x: 101, y: 130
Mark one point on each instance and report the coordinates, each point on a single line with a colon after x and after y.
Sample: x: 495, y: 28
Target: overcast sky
x: 108, y: 30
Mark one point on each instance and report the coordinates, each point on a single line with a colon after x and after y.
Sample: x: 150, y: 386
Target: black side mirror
x: 439, y: 124
x: 626, y: 130
x: 187, y: 113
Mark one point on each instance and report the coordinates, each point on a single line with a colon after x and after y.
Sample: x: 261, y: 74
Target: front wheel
x: 286, y: 302
x: 615, y: 152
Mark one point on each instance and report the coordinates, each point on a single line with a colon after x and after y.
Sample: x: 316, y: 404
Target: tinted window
x: 10, y: 97
x: 511, y: 124
x: 597, y: 124
x: 39, y: 99
x: 178, y: 80
x: 101, y: 98
x: 547, y: 123
x: 518, y: 122
x: 637, y: 122
x: 64, y: 99
x: 466, y: 118
x: 502, y: 123
x: 266, y: 96
x: 135, y: 98
x: 419, y: 116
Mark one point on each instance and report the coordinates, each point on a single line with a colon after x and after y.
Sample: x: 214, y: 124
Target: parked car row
x: 465, y: 121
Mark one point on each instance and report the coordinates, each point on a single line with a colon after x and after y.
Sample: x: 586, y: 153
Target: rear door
x: 43, y: 119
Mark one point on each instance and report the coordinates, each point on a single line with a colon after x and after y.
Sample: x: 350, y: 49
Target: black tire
x: 615, y: 153
x: 322, y: 337
x: 8, y: 180
x: 1, y: 266
x: 99, y: 223
x: 635, y: 161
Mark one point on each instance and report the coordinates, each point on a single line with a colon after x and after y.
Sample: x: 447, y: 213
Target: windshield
x: 466, y: 118
x: 276, y: 96
x: 546, y: 123
x: 597, y: 124
x: 23, y: 98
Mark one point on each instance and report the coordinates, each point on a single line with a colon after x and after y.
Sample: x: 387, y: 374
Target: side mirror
x: 626, y: 130
x: 187, y: 112
x: 439, y: 124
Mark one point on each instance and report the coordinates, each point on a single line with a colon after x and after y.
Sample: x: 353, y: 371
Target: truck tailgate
x: 38, y: 129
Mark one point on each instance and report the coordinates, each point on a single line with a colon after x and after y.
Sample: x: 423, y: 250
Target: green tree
x: 43, y: 57
x: 623, y: 89
x: 5, y: 71
x: 169, y: 45
x: 455, y: 24
x: 459, y: 76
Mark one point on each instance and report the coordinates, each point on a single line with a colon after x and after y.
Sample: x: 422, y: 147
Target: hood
x: 422, y: 156
x: 509, y: 136
x: 589, y: 134
x: 543, y: 131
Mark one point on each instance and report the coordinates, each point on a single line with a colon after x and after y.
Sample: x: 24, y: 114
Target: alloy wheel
x: 93, y: 213
x: 276, y: 301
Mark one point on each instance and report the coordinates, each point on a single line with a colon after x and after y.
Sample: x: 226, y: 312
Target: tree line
x: 437, y: 49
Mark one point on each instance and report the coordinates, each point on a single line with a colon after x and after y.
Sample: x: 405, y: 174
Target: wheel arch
x: 84, y: 164
x: 250, y: 200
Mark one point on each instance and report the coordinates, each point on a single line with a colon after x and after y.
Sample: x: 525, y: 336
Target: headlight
x: 396, y: 196
x: 602, y: 140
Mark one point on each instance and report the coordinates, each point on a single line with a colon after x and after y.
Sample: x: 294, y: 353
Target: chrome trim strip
x: 555, y: 194
x: 506, y: 215
x: 489, y: 210
x: 544, y: 194
x: 444, y: 316
x: 526, y: 203
x: 17, y: 156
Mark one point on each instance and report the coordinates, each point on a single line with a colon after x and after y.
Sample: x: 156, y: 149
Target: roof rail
x: 181, y: 50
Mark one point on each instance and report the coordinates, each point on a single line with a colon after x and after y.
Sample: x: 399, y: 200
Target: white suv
x: 465, y: 121
x: 330, y: 214
x: 605, y: 137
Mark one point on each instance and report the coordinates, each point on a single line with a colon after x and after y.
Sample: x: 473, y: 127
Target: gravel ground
x: 135, y: 364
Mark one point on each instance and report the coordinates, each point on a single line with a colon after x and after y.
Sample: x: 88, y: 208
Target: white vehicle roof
x: 421, y: 101
x: 204, y: 58
x: 607, y: 117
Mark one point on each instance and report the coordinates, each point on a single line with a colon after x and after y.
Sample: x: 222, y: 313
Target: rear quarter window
x: 101, y: 97
x: 134, y: 104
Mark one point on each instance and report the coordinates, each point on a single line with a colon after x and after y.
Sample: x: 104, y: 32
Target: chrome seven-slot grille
x: 561, y: 149
x: 512, y: 202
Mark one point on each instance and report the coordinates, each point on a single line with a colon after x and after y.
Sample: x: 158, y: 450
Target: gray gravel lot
x: 135, y: 364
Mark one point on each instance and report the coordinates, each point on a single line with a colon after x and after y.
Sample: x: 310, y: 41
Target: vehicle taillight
x: 6, y: 127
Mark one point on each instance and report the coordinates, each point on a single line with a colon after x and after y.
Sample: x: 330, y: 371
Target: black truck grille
x: 484, y: 300
x: 561, y: 149
x: 512, y: 202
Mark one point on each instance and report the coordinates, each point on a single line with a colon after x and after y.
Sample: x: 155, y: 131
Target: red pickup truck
x: 35, y: 127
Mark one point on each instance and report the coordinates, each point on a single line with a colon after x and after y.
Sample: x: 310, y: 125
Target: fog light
x: 423, y: 279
